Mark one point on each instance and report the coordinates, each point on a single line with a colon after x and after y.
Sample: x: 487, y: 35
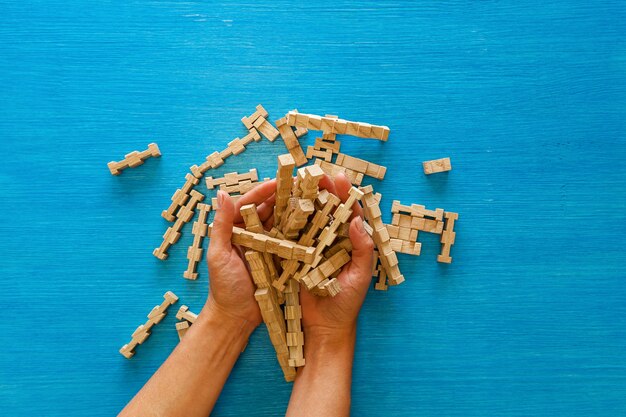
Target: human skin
x: 190, y: 381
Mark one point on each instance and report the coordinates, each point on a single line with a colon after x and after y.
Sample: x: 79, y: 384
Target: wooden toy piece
x: 308, y: 181
x: 232, y: 178
x: 134, y: 159
x: 285, y: 249
x: 326, y: 155
x: 360, y: 165
x: 416, y: 210
x: 381, y: 238
x: 319, y: 221
x: 447, y: 237
x: 143, y: 331
x: 266, y: 129
x: 293, y: 316
x: 284, y: 183
x: 326, y: 269
x: 301, y: 131
x: 258, y: 269
x: 253, y: 224
x: 185, y: 314
x: 329, y: 233
x: 276, y: 327
x: 187, y: 211
x: 338, y: 126
x: 298, y: 218
x: 170, y: 237
x: 260, y: 112
x: 356, y: 178
x: 437, y: 165
x: 381, y: 285
x: 405, y: 246
x: 180, y: 197
x: 328, y: 142
x: 291, y: 141
x: 181, y: 328
x: 194, y: 253
x: 237, y: 145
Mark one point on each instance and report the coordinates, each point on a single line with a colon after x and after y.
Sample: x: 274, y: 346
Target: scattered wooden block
x: 291, y: 141
x: 259, y: 112
x: 194, y: 253
x: 181, y: 328
x: 381, y: 238
x: 360, y: 165
x: 338, y: 126
x: 179, y: 198
x: 143, y: 331
x: 134, y: 159
x: 356, y: 178
x: 437, y: 165
x: 266, y: 129
x: 185, y: 314
x: 447, y: 237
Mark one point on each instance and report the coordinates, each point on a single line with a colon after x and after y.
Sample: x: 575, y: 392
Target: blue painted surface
x: 528, y: 99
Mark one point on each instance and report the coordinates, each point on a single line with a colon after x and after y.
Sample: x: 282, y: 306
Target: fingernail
x: 220, y: 199
x: 359, y: 224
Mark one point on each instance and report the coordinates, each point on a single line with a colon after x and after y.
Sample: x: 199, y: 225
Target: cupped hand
x: 336, y: 316
x: 231, y: 287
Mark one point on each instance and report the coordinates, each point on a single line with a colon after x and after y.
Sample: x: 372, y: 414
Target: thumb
x: 222, y: 223
x: 360, y: 268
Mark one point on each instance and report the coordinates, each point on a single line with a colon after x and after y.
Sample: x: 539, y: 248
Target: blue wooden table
x: 528, y: 99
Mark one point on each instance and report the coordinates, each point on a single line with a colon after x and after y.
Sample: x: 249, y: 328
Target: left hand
x: 231, y: 287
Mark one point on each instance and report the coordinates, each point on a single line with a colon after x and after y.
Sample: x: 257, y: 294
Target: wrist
x: 221, y: 320
x: 325, y: 342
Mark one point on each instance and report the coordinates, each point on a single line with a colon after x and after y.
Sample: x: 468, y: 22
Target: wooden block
x: 437, y: 165
x: 326, y: 155
x: 259, y: 112
x: 447, y: 237
x: 134, y: 159
x: 284, y: 183
x: 381, y: 238
x: 194, y: 252
x: 301, y: 131
x: 181, y: 328
x: 143, y: 331
x: 185, y: 314
x: 339, y: 126
x: 323, y: 144
x: 356, y: 178
x: 291, y: 142
x: 266, y: 129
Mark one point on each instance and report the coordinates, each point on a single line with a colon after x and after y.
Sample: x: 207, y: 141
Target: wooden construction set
x: 308, y: 245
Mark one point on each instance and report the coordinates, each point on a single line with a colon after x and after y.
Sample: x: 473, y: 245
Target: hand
x: 336, y: 316
x: 231, y: 287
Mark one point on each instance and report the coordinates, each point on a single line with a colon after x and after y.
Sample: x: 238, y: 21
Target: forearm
x: 191, y: 379
x: 322, y: 386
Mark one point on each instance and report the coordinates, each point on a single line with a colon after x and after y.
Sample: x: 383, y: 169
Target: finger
x: 327, y: 183
x: 269, y: 223
x: 222, y: 223
x: 360, y: 267
x: 343, y: 186
x: 257, y: 195
x: 266, y: 209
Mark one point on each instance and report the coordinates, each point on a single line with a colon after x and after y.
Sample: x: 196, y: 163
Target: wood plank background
x: 527, y: 98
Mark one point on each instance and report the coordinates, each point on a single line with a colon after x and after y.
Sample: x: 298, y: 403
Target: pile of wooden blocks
x: 308, y: 245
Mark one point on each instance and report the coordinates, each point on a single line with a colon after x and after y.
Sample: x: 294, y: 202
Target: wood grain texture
x: 527, y: 99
